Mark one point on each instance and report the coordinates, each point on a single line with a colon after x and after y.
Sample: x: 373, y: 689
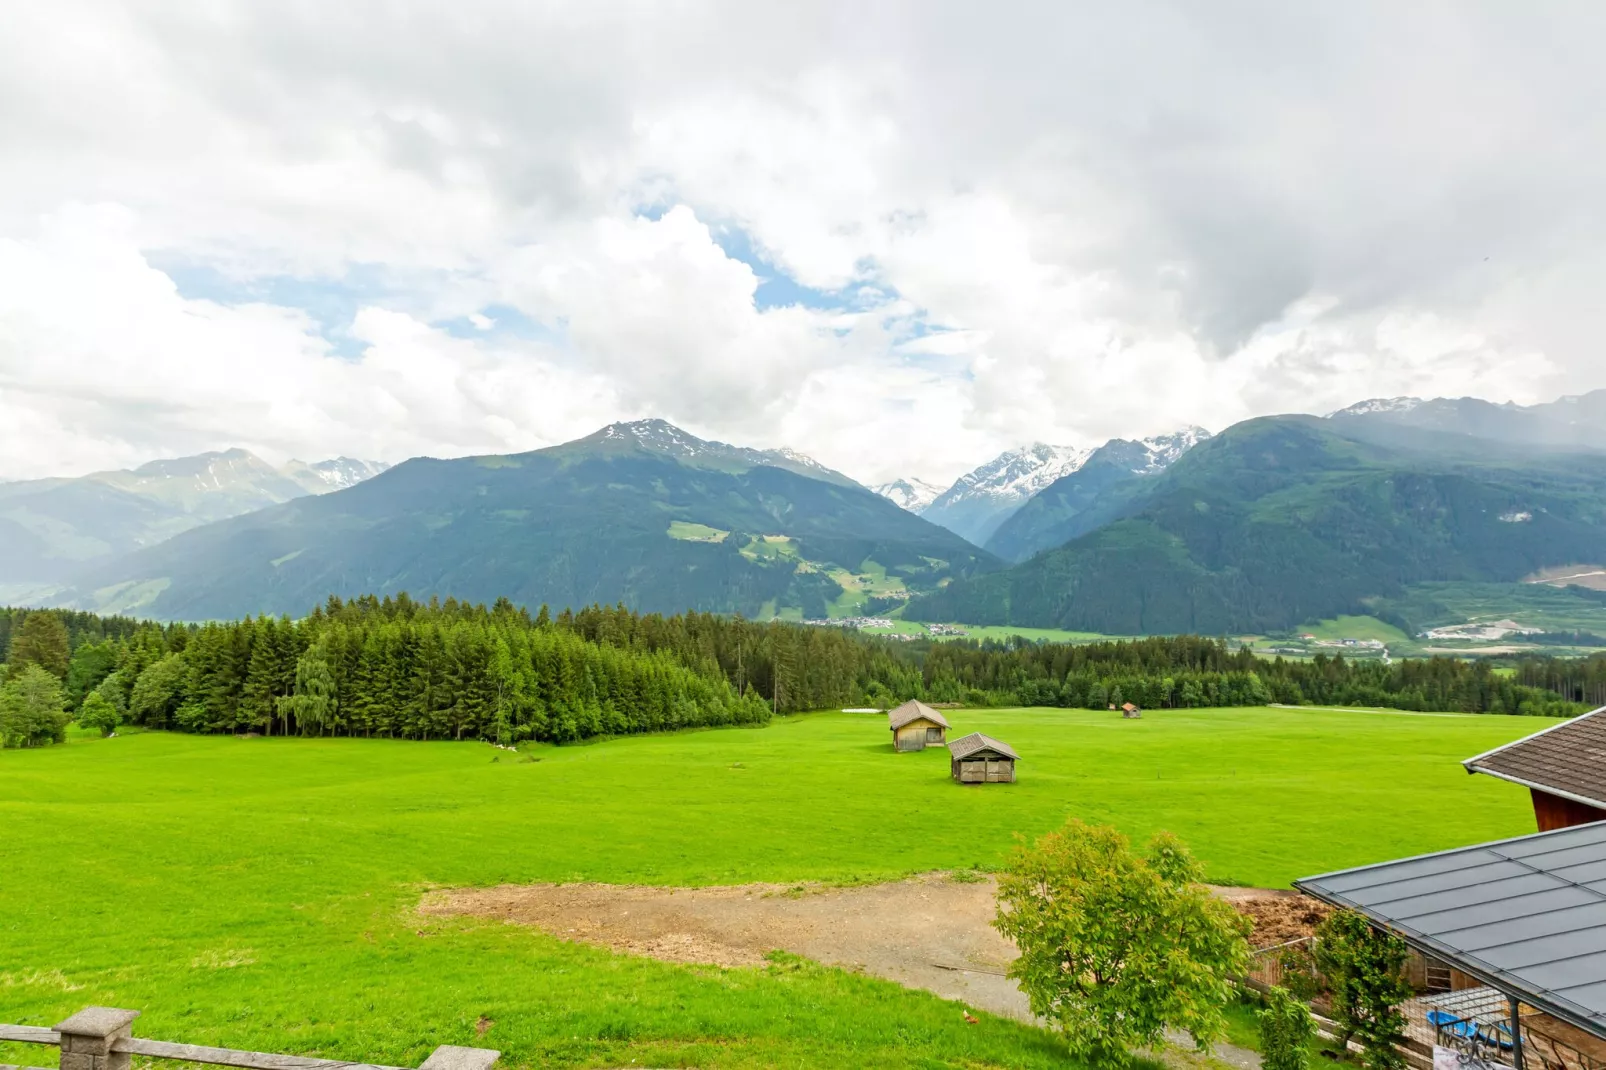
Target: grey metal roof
x: 913, y: 711
x: 1526, y: 915
x: 974, y: 743
x: 1566, y: 759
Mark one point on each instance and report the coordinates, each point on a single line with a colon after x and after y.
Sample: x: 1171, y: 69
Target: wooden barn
x: 979, y: 759
x: 1562, y: 768
x: 1131, y: 711
x: 914, y: 724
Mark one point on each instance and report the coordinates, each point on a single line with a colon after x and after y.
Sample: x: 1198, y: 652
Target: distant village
x: 886, y: 622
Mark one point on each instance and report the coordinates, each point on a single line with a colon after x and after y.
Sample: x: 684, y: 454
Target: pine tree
x: 42, y: 641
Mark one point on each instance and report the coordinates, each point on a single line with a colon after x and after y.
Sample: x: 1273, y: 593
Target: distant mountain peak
x: 909, y: 493
x: 1377, y: 405
x: 661, y: 436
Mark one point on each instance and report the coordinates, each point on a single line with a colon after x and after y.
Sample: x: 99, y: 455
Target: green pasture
x: 260, y: 893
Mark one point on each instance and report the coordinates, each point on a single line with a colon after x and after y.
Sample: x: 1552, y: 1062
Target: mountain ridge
x: 643, y: 513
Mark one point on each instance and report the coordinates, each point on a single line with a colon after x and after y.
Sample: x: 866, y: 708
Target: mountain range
x: 1282, y: 520
x: 51, y: 528
x: 982, y: 501
x: 642, y: 512
x: 1271, y: 523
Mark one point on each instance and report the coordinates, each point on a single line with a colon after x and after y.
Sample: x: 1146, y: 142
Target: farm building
x: 914, y: 724
x: 1563, y: 767
x: 1129, y: 710
x: 1523, y: 921
x: 979, y: 759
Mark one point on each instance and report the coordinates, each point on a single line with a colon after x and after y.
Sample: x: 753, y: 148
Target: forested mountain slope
x: 642, y: 513
x: 1281, y: 520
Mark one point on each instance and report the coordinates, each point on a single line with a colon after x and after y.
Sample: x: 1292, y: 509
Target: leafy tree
x: 1286, y: 1029
x: 42, y: 640
x: 158, y: 692
x: 1117, y: 947
x: 90, y: 664
x: 97, y: 711
x: 1364, y: 966
x: 314, y: 701
x: 33, y: 710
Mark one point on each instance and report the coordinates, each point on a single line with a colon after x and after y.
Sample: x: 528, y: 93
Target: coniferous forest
x: 401, y: 668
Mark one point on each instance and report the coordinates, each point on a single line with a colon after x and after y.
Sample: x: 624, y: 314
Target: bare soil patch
x: 930, y: 932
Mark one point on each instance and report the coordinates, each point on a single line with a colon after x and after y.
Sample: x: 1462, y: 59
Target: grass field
x: 260, y: 893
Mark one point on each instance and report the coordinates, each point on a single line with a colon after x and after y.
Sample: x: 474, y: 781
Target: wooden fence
x: 101, y: 1038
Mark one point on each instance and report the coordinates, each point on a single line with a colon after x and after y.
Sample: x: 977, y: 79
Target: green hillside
x: 640, y: 513
x: 1279, y: 521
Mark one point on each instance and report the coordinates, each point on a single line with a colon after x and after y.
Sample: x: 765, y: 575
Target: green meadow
x: 261, y: 893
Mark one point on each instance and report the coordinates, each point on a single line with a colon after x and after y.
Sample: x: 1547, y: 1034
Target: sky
x: 900, y: 237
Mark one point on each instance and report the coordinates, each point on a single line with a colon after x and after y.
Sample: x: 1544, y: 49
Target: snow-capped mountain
x: 911, y: 493
x: 1378, y: 405
x: 1076, y: 502
x: 1162, y: 450
x: 983, y: 498
x: 661, y: 436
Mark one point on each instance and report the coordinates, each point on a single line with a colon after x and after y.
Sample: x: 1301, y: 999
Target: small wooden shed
x: 979, y: 759
x: 914, y: 724
x: 1129, y: 710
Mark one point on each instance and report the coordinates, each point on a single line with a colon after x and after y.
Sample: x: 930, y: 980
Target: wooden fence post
x: 86, y: 1039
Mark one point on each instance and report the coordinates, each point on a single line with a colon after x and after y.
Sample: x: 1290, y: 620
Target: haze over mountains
x: 51, y: 528
x: 641, y: 512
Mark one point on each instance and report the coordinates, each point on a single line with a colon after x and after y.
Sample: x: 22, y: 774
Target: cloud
x: 1052, y: 222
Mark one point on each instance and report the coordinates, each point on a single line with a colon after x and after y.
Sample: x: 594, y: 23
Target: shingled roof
x: 965, y: 746
x: 1566, y: 759
x: 913, y: 711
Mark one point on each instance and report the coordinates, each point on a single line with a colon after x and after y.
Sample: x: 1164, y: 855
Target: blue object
x: 1445, y: 1022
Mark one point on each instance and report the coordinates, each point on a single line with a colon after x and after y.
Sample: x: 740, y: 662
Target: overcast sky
x: 898, y: 237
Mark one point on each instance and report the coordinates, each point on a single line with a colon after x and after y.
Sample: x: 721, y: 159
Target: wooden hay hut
x: 914, y: 724
x: 1129, y: 710
x: 979, y: 759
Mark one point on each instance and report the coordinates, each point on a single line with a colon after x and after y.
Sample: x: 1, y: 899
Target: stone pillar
x: 87, y: 1038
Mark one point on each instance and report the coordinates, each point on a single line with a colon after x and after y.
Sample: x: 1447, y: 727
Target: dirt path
x: 929, y: 932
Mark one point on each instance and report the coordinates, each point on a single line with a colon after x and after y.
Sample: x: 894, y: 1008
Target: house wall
x: 1554, y: 812
x: 983, y: 770
x: 913, y: 736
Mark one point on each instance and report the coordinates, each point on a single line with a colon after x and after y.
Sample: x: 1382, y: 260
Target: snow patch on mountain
x: 337, y: 473
x: 661, y: 436
x: 1015, y: 475
x: 911, y: 493
x: 1163, y: 450
x: 1377, y: 405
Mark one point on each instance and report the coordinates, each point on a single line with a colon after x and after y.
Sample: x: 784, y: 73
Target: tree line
x: 401, y: 668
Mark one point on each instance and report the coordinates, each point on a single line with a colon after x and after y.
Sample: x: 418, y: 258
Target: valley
x: 253, y: 941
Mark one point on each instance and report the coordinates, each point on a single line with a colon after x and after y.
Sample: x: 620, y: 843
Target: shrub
x: 1116, y: 947
x: 1364, y: 968
x: 1286, y: 1028
x: 97, y: 712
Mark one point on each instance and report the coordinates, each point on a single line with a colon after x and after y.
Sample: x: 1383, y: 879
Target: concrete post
x: 452, y: 1057
x: 87, y: 1037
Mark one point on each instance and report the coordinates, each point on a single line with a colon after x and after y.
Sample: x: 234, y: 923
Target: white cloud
x: 1081, y: 222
